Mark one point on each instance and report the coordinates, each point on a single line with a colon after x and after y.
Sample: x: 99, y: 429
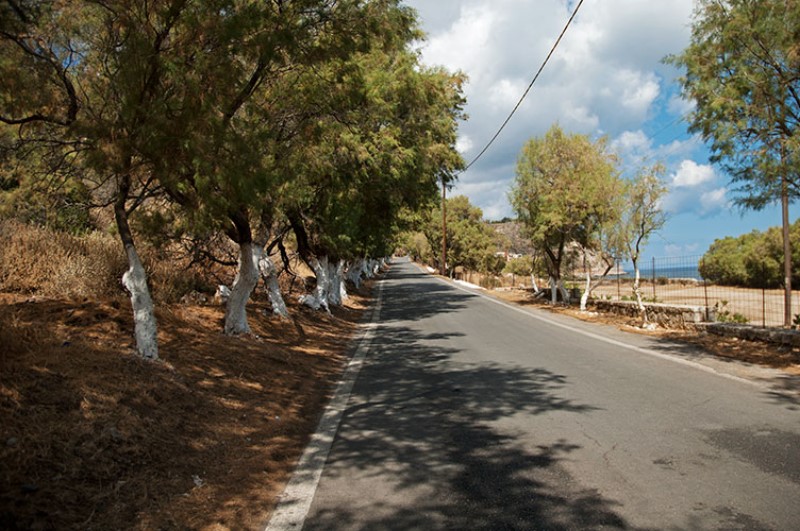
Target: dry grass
x: 91, y: 437
x: 55, y: 264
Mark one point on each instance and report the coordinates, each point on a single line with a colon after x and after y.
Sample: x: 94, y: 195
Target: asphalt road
x: 470, y: 415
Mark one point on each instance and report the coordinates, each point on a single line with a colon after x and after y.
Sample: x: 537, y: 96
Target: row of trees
x: 568, y: 191
x: 255, y: 120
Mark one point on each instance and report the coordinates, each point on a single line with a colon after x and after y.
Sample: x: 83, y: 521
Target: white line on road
x: 609, y: 340
x: 296, y: 499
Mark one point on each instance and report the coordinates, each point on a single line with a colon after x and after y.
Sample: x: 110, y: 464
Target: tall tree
x: 743, y: 71
x: 561, y: 192
x: 470, y: 239
x: 642, y: 218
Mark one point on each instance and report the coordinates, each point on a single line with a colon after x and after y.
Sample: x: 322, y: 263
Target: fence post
x: 654, y: 279
x: 705, y: 291
x: 763, y: 295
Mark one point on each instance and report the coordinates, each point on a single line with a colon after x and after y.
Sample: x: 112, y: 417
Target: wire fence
x: 678, y: 280
x: 672, y: 280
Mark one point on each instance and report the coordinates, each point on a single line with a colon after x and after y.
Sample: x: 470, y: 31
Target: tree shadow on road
x: 426, y: 431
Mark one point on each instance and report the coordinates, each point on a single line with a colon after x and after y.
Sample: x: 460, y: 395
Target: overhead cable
x: 553, y: 49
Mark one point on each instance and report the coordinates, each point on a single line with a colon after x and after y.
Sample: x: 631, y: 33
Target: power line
x: 525, y: 94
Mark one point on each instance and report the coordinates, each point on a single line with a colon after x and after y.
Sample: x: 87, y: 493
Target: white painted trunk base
x: 586, y: 292
x: 243, y: 285
x: 145, y: 328
x: 319, y: 298
x: 269, y: 274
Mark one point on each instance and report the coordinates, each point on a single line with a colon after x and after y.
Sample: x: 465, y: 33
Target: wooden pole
x: 443, y: 268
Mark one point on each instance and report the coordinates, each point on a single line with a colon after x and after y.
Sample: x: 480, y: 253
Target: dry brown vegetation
x: 93, y: 437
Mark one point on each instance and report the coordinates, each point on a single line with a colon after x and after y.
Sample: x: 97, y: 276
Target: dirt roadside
x: 92, y: 437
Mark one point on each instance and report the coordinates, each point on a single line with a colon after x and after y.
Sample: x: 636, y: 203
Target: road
x: 469, y: 414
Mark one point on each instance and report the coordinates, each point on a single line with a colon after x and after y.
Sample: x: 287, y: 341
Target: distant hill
x: 513, y: 238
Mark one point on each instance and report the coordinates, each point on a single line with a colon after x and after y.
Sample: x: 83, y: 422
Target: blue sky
x: 606, y: 78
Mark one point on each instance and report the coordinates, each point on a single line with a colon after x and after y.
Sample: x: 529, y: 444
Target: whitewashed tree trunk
x: 553, y: 291
x: 564, y: 293
x: 354, y: 272
x: 587, y: 291
x: 269, y: 274
x: 319, y: 299
x: 243, y: 285
x: 336, y: 280
x: 638, y: 292
x: 534, y: 285
x: 340, y: 279
x: 145, y: 328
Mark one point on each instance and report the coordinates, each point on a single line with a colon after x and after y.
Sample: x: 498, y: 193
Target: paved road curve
x: 471, y: 415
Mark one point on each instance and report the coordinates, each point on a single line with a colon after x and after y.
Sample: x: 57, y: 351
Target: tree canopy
x: 563, y: 192
x: 742, y: 69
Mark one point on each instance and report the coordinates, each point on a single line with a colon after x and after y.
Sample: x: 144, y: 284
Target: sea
x: 646, y: 272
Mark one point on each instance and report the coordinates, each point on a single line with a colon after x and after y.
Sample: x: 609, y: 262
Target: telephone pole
x: 443, y: 265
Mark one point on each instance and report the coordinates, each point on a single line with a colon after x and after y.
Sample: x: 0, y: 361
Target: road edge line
x: 295, y: 501
x: 609, y: 340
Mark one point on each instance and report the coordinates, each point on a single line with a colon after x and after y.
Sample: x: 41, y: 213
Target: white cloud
x: 690, y: 175
x: 679, y: 106
x: 605, y: 75
x: 713, y: 201
x: 464, y: 144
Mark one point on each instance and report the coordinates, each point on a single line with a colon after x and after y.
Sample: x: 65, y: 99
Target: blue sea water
x: 646, y: 272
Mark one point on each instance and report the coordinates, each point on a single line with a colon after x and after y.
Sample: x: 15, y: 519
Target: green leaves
x: 743, y: 70
x: 564, y: 191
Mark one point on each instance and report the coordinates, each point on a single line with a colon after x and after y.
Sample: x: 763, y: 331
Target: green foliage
x: 563, y: 193
x: 753, y: 260
x: 724, y: 315
x: 522, y: 266
x: 742, y: 70
x: 470, y: 240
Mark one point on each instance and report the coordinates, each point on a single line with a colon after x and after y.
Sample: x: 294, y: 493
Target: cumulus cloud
x: 690, y: 175
x: 606, y: 75
x: 713, y: 201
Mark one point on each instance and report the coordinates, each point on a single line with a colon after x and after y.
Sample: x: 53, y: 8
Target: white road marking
x: 295, y: 502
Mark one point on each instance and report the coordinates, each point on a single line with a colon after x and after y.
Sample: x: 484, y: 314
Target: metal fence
x: 672, y: 280
x: 677, y: 280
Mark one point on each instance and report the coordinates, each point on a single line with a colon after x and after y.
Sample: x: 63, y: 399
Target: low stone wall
x: 780, y: 336
x: 668, y: 315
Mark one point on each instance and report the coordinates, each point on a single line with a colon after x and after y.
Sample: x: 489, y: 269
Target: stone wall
x: 778, y: 336
x: 668, y: 315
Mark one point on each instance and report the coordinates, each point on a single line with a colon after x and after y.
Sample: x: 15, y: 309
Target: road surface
x: 469, y: 414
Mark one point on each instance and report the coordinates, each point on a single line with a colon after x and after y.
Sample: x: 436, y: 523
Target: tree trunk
x: 319, y: 299
x: 336, y: 280
x: 587, y: 291
x: 638, y: 292
x: 243, y: 285
x: 270, y: 275
x: 553, y: 290
x: 534, y: 285
x: 340, y: 280
x: 354, y: 272
x: 564, y: 293
x: 145, y: 328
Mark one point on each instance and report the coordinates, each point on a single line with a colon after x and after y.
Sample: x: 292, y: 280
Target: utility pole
x: 443, y: 268
x: 787, y: 246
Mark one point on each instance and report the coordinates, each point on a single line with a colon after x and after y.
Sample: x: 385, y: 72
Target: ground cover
x: 92, y: 437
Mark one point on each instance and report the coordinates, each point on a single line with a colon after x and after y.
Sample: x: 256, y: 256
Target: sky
x: 606, y: 78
